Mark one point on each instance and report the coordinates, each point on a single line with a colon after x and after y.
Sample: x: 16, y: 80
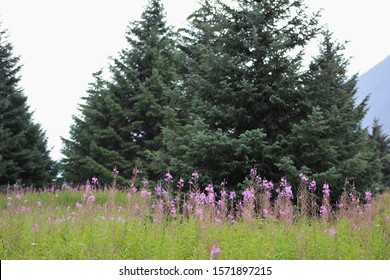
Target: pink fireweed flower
x: 145, y: 193
x: 253, y: 172
x: 323, y: 210
x: 79, y: 205
x: 168, y: 178
x: 201, y: 199
x: 312, y: 186
x: 220, y: 203
x: 121, y: 220
x: 39, y: 204
x: 115, y: 171
x: 368, y: 195
x: 325, y: 190
x: 215, y: 252
x: 94, y: 180
x: 209, y: 188
x: 199, y: 212
x: 136, y: 171
x: 25, y: 209
x: 332, y: 232
x: 283, y: 182
x: 265, y: 212
x: 145, y: 183
x: 303, y: 177
x: 195, y: 175
x: 180, y: 184
x: 173, y: 209
x: 239, y: 206
x: 91, y: 198
x: 211, y: 198
x: 160, y: 191
x: 249, y: 194
x: 267, y: 185
x: 287, y: 192
x: 223, y: 194
x: 232, y: 195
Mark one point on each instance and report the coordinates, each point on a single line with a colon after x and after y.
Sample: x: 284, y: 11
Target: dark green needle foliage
x: 121, y: 121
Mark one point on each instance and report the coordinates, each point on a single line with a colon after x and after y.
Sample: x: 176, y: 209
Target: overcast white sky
x: 62, y: 42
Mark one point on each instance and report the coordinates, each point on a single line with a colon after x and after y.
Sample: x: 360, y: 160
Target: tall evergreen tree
x: 24, y: 157
x: 244, y: 80
x: 121, y: 122
x: 329, y: 143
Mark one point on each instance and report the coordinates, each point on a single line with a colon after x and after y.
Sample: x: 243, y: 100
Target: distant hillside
x: 376, y: 82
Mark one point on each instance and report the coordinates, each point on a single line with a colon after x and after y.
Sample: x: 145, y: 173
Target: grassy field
x: 144, y: 223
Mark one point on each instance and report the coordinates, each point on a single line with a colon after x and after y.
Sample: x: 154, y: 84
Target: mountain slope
x: 376, y: 82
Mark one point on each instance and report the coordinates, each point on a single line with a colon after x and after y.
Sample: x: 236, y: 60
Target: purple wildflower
x: 323, y: 210
x: 94, y: 180
x: 211, y: 198
x: 253, y: 172
x: 180, y: 184
x: 325, y: 190
x: 304, y: 178
x: 199, y: 212
x: 91, y: 198
x: 168, y: 178
x: 145, y: 183
x: 195, y: 175
x: 249, y: 194
x: 287, y: 192
x: 209, y: 188
x: 145, y: 193
x: 136, y: 171
x: 160, y: 190
x: 115, y: 171
x: 215, y: 251
x: 368, y: 195
x: 267, y: 185
x: 79, y: 205
x: 202, y: 199
x: 312, y: 186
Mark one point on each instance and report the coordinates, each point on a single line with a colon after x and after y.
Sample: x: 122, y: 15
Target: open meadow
x: 163, y: 222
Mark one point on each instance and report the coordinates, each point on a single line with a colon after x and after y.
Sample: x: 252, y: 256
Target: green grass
x: 53, y: 228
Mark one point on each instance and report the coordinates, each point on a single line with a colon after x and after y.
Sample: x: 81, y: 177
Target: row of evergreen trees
x: 226, y: 94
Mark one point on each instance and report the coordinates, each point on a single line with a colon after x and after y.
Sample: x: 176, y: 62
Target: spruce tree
x: 24, y: 157
x: 120, y: 124
x: 243, y: 79
x: 329, y: 143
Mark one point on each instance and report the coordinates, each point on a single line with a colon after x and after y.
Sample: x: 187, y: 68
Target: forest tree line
x: 227, y: 93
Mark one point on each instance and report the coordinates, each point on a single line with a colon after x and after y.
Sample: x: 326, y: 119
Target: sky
x: 61, y: 43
